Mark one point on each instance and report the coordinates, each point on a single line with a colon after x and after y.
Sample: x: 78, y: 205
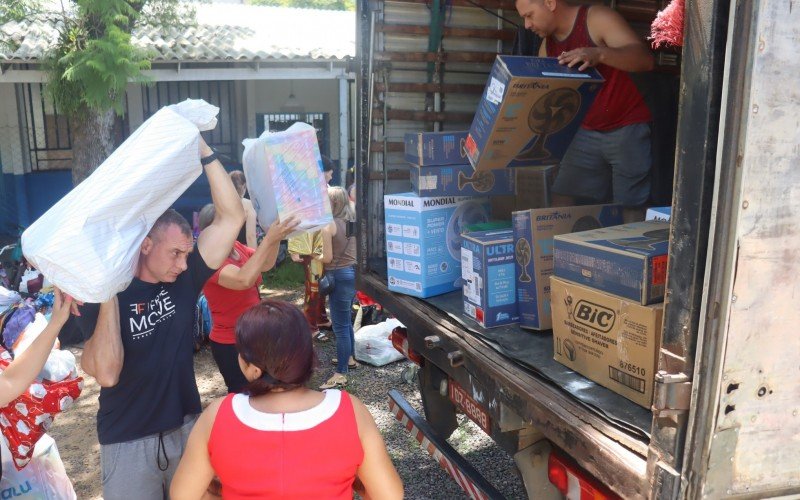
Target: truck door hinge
x: 673, y: 393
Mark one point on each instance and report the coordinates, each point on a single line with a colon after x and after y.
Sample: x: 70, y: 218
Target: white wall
x: 317, y: 96
x: 10, y: 146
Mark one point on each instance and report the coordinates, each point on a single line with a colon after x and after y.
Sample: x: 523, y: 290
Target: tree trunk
x: 92, y: 141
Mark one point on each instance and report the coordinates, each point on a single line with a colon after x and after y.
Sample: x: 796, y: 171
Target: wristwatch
x: 208, y: 159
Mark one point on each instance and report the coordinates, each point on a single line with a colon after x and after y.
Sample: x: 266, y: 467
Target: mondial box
x: 423, y: 241
x: 490, y: 284
x: 530, y: 110
x: 609, y: 339
x: 436, y: 148
x: 533, y: 251
x: 629, y: 261
x: 461, y: 180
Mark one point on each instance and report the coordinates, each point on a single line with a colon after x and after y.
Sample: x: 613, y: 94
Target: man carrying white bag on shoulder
x: 113, y: 244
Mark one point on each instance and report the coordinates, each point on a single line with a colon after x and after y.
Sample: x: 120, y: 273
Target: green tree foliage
x: 309, y: 4
x: 17, y: 10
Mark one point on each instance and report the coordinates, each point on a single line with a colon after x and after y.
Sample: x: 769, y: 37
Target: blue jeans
x: 341, y: 305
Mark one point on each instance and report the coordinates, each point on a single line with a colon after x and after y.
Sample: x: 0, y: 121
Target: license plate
x: 469, y: 406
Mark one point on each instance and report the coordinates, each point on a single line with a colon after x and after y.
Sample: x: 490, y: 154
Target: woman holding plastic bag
x: 339, y: 257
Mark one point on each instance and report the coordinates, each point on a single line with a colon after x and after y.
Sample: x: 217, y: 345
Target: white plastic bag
x: 43, y: 478
x: 373, y: 345
x: 284, y: 178
x: 88, y: 243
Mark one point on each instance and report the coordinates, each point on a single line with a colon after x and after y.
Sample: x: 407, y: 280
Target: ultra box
x: 423, y: 241
x: 490, y: 283
x: 533, y: 250
x: 530, y: 110
x: 436, y: 148
x: 461, y: 180
x: 629, y: 260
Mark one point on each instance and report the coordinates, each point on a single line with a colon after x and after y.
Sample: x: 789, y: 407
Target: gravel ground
x: 74, y: 431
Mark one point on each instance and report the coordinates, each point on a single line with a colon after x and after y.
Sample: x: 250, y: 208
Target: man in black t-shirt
x: 140, y: 350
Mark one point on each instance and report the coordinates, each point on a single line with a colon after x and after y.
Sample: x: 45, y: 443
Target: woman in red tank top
x: 280, y: 439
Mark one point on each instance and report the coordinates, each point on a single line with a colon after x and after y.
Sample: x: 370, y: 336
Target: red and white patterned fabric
x: 27, y: 418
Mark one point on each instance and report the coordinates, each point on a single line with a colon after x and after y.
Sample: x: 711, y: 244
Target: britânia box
x: 629, y: 260
x: 461, y: 180
x: 534, y: 231
x: 609, y: 339
x: 487, y: 268
x: 436, y: 148
x: 423, y: 241
x: 530, y: 110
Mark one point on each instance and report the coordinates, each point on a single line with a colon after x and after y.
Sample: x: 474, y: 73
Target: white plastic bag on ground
x: 88, y: 243
x: 43, y: 478
x: 374, y: 346
x: 284, y: 178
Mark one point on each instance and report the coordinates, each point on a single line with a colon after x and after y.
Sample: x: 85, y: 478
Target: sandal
x: 350, y: 366
x: 337, y: 381
x: 321, y: 336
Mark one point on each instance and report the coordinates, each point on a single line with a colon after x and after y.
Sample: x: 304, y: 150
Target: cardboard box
x: 529, y: 112
x: 436, y: 148
x: 659, y: 213
x: 487, y: 268
x: 533, y: 189
x: 629, y: 261
x: 611, y: 340
x: 533, y: 250
x: 460, y: 180
x: 423, y: 241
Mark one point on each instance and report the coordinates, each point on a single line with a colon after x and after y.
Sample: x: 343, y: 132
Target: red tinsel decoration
x: 667, y: 27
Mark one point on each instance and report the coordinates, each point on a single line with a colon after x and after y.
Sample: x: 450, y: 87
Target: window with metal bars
x: 278, y: 122
x: 223, y: 138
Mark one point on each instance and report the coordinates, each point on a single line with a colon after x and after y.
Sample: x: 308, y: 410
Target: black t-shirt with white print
x: 156, y: 388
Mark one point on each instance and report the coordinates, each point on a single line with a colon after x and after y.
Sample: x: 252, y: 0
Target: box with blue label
x: 533, y: 251
x: 461, y: 180
x: 436, y: 148
x: 530, y: 110
x: 423, y: 240
x: 658, y: 213
x: 490, y: 283
x: 629, y: 261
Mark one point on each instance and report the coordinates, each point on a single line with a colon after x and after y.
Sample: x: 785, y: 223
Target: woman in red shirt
x: 281, y: 439
x: 233, y: 289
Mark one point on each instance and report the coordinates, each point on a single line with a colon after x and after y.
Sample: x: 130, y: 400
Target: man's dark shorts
x: 612, y: 165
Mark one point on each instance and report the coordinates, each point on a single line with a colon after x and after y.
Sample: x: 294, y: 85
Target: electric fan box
x: 461, y: 180
x: 490, y: 284
x: 629, y: 261
x: 436, y: 148
x: 611, y: 340
x: 423, y: 241
x: 534, y: 231
x: 530, y: 110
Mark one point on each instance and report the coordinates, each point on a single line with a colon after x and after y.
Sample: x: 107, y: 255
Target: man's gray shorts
x: 132, y: 470
x: 612, y: 165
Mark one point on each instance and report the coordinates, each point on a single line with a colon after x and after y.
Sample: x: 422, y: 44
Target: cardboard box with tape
x: 460, y: 180
x: 530, y: 110
x: 611, y: 340
x: 533, y: 250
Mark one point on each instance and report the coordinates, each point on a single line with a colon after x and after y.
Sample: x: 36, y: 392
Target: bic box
x: 460, y: 180
x: 629, y: 261
x: 606, y: 338
x: 423, y: 241
x: 487, y: 267
x: 530, y: 110
x: 533, y: 251
x: 436, y: 148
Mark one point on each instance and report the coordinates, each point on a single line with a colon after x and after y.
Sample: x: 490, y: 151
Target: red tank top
x: 309, y: 454
x: 618, y: 103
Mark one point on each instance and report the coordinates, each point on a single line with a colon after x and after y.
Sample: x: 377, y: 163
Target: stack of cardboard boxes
x: 607, y: 298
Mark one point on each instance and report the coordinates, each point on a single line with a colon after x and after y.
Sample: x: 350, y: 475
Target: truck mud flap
x: 469, y: 479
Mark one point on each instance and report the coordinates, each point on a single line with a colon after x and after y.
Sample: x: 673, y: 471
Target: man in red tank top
x: 609, y: 159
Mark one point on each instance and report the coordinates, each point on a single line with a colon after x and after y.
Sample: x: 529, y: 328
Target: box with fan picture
x: 534, y: 231
x: 461, y: 180
x: 530, y: 110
